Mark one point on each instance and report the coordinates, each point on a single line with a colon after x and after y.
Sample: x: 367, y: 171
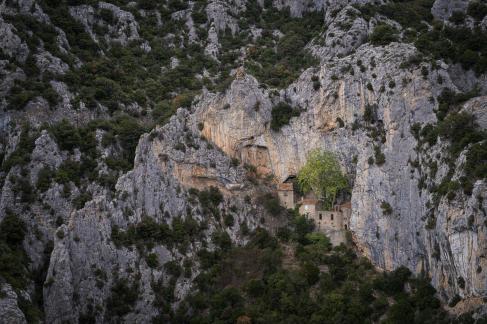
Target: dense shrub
x: 380, y: 158
x: 66, y: 135
x: 122, y: 298
x: 271, y: 204
x: 460, y: 129
x: 21, y: 155
x: 44, y: 178
x: 386, y: 208
x: 383, y: 35
x: 281, y: 115
x: 393, y: 283
x: 476, y: 165
x: 279, y: 61
x: 370, y: 113
x: 252, y: 283
x: 13, y: 259
x: 12, y: 230
x: 477, y: 9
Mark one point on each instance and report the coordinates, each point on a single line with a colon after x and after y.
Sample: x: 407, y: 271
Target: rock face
x: 443, y: 9
x: 169, y: 161
x: 11, y: 314
x: 122, y: 26
x: 346, y: 32
x: 12, y: 45
x: 238, y: 122
x: 360, y: 102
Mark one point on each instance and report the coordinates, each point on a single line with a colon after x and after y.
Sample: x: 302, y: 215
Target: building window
x: 331, y: 216
x: 320, y: 217
x: 346, y: 226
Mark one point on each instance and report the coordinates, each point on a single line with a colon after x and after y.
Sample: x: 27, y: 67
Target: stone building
x: 333, y: 223
x: 336, y: 219
x: 286, y: 194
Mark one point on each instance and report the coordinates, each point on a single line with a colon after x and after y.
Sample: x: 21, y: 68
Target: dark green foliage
x: 409, y: 13
x: 44, y: 178
x: 457, y: 17
x: 123, y: 131
x: 199, y: 17
x: 477, y: 9
x: 32, y: 313
x: 210, y: 199
x: 21, y: 156
x: 222, y: 240
x: 251, y: 283
x: 271, y: 204
x: 107, y: 15
x: 13, y: 259
x: 60, y: 234
x: 393, y: 283
x: 279, y: 61
x: 66, y: 135
x: 229, y: 220
x: 380, y: 158
x: 460, y: 45
x: 69, y: 171
x: 173, y: 268
x: 22, y: 186
x: 415, y: 130
x: 122, y: 299
x: 281, y: 115
x: 81, y: 199
x: 449, y: 100
x: 12, y: 230
x: 24, y: 91
x: 370, y: 113
x: 148, y: 233
x: 383, y: 35
x: 460, y: 129
x: 386, y: 208
x: 302, y: 226
x: 476, y: 165
x: 457, y: 44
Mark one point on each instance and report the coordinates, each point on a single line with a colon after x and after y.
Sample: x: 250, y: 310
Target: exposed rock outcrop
x: 360, y: 102
x: 169, y: 161
x: 443, y: 9
x: 11, y: 314
x: 12, y: 45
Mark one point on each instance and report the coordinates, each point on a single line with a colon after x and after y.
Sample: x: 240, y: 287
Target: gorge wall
x: 115, y: 221
x: 238, y: 122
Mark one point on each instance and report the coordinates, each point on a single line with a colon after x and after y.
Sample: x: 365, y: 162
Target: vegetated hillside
x: 141, y: 142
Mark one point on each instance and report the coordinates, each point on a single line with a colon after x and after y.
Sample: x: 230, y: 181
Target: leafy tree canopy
x: 322, y: 175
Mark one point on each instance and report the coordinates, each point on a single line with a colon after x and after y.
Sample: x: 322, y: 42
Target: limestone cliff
x: 238, y: 122
x: 113, y: 227
x: 170, y: 162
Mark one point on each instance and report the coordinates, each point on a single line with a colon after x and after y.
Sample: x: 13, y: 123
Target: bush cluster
x: 252, y: 284
x: 281, y: 115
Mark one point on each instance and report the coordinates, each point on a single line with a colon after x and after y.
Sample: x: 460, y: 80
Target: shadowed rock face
x: 238, y: 122
x: 443, y: 9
